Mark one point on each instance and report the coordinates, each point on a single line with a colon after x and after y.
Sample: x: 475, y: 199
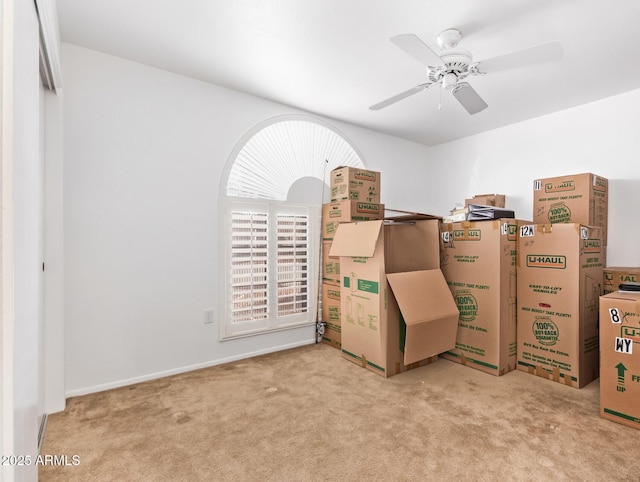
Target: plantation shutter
x: 249, y: 266
x: 270, y: 257
x: 293, y: 264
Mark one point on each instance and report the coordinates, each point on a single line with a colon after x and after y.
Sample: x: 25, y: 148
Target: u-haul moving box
x: 580, y: 198
x: 332, y: 215
x: 559, y: 286
x: 615, y: 276
x: 620, y: 358
x: 330, y: 266
x: 397, y: 310
x: 479, y: 264
x: 355, y: 184
x: 331, y: 315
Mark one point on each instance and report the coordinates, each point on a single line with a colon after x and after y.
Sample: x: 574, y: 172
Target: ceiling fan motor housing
x: 456, y: 61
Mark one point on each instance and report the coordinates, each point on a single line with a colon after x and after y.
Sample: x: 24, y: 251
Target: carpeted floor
x: 307, y: 414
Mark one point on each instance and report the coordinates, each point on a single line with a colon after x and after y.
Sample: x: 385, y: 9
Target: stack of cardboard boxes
x: 527, y: 292
x: 355, y: 196
x: 560, y: 279
x: 494, y: 295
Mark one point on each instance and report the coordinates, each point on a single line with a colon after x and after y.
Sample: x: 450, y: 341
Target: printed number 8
x: 615, y: 317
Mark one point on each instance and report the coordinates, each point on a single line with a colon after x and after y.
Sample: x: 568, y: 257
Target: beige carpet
x: 307, y: 414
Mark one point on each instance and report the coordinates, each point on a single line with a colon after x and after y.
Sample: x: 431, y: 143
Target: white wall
x: 144, y: 154
x: 22, y: 237
x: 601, y: 137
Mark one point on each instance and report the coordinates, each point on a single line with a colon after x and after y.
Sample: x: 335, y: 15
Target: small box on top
x: 355, y: 184
x: 578, y: 198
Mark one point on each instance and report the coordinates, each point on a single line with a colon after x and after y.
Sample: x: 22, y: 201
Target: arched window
x: 275, y: 185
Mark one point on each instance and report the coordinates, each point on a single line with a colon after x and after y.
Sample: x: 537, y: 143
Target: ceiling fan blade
x: 400, y: 96
x: 415, y: 47
x: 469, y: 98
x: 546, y: 52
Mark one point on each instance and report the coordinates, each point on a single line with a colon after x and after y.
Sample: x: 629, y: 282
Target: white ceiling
x: 334, y: 57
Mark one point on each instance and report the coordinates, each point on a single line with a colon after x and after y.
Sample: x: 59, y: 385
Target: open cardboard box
x: 397, y: 310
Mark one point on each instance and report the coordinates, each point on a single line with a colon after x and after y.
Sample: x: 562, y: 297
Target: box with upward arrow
x: 620, y: 357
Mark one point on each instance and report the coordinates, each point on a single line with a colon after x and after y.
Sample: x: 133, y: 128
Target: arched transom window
x: 276, y: 184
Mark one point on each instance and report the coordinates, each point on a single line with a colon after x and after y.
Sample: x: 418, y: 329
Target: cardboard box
x: 620, y: 358
x: 338, y: 212
x: 330, y: 266
x: 615, y: 275
x: 479, y: 263
x: 580, y: 198
x: 331, y: 315
x: 355, y: 184
x: 496, y: 200
x: 397, y: 310
x: 456, y: 215
x: 559, y: 284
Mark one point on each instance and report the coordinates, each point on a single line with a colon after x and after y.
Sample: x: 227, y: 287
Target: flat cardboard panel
x: 363, y: 307
x: 429, y: 339
x: 356, y: 239
x: 620, y: 358
x: 428, y: 310
x: 422, y: 295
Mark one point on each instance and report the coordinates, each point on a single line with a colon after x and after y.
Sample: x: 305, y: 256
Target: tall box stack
x: 615, y: 276
x: 559, y: 284
x: 580, y: 198
x: 479, y: 264
x: 620, y: 358
x: 355, y: 196
x: 397, y: 311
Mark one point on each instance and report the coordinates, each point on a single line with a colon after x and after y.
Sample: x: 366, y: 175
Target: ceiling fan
x: 453, y: 64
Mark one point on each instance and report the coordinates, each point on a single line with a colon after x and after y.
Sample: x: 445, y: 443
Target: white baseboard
x: 154, y: 376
